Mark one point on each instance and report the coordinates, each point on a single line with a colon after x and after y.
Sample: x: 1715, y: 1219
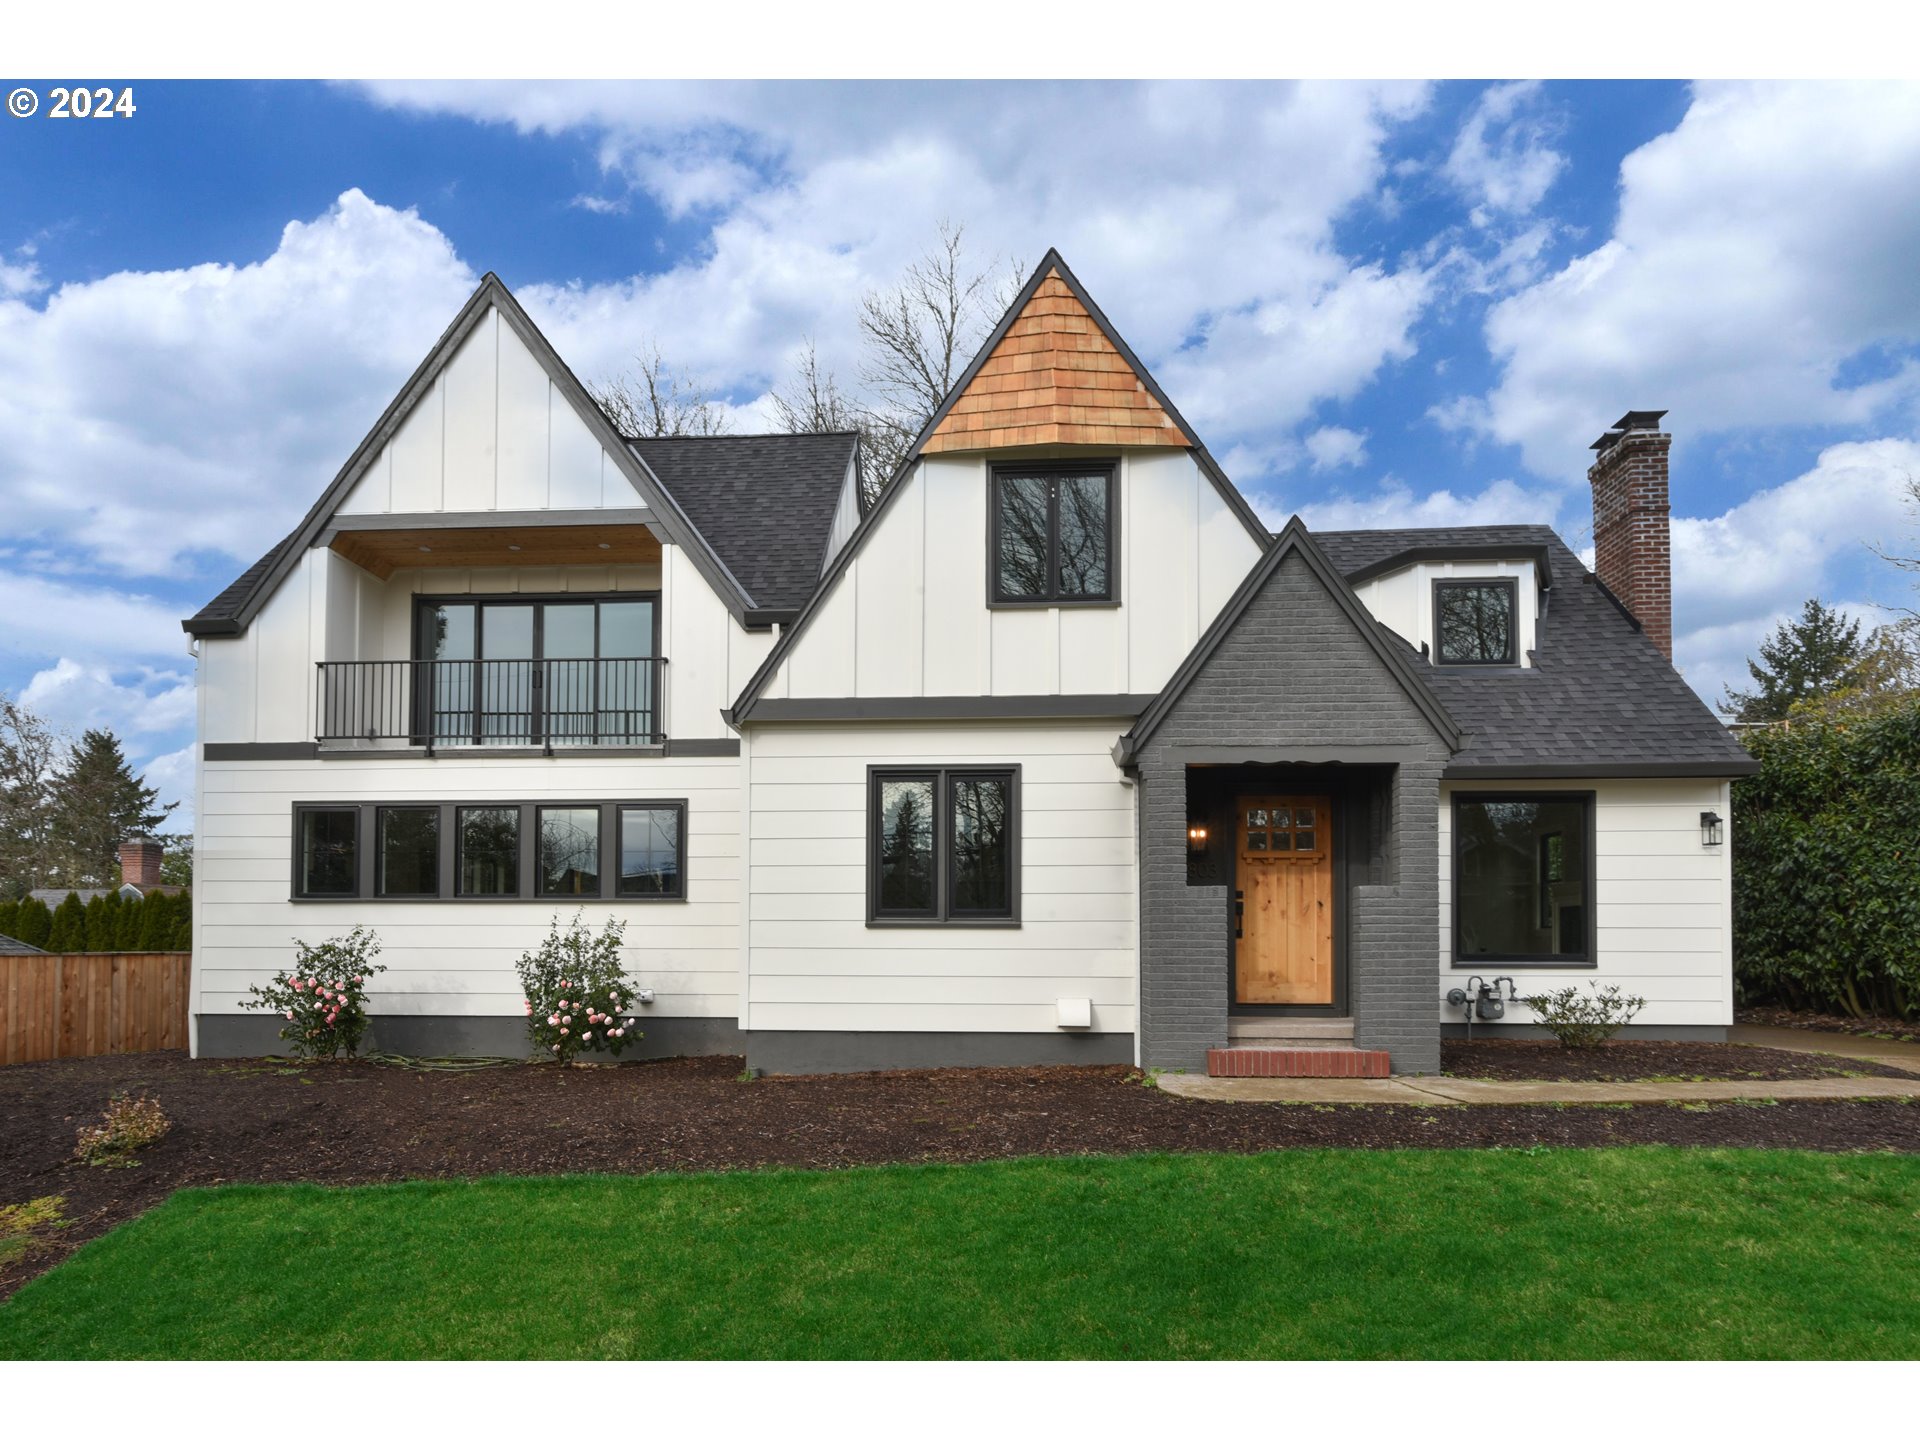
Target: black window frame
x: 366, y: 847
x: 1479, y: 582
x: 1053, y: 472
x: 1590, y: 960
x: 361, y: 851
x: 942, y: 914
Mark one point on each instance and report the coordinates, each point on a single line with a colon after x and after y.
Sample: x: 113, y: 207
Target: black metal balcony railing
x: 548, y: 703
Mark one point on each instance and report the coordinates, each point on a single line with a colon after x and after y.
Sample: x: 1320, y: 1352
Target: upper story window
x: 1474, y: 621
x: 513, y: 671
x: 1051, y: 535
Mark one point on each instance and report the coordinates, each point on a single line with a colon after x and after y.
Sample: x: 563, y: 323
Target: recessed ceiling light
x: 513, y: 547
x: 605, y: 546
x: 426, y: 549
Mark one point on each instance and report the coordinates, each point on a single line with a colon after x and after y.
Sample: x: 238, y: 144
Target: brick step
x: 1321, y: 1062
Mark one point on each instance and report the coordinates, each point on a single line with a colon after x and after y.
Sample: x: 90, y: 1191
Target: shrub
x: 9, y: 917
x: 324, y: 997
x: 68, y: 934
x: 128, y: 1125
x: 34, y: 923
x: 1581, y: 1021
x: 1826, y: 864
x: 576, y: 987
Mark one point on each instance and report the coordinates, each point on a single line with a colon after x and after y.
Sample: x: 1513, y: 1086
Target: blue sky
x: 1393, y: 304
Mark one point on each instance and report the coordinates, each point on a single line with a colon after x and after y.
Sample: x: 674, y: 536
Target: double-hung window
x: 1051, y: 535
x: 1523, y: 879
x: 943, y: 846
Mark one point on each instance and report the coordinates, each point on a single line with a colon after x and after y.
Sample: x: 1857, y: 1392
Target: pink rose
x: 566, y: 984
x: 556, y: 1049
x: 563, y: 1030
x: 289, y: 1014
x: 553, y: 1019
x: 329, y: 1020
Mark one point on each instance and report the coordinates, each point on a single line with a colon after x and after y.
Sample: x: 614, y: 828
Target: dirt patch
x: 364, y: 1122
x: 1874, y: 1029
x: 1646, y: 1060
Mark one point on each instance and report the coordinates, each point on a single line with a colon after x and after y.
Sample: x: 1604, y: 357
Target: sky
x: 1395, y: 304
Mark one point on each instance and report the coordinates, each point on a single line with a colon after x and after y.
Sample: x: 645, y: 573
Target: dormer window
x: 1051, y: 535
x: 1473, y: 622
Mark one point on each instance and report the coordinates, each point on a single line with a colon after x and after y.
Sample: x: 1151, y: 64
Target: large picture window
x: 491, y: 851
x: 943, y: 847
x: 1473, y: 622
x: 1051, y: 535
x: 557, y: 672
x: 1523, y: 879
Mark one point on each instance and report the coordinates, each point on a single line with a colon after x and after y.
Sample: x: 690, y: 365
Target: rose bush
x: 324, y: 996
x: 577, y: 991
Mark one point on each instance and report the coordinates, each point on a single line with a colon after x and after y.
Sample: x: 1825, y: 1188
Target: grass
x: 1643, y: 1252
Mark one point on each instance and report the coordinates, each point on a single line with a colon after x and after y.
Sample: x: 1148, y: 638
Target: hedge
x: 158, y: 922
x: 1826, y: 865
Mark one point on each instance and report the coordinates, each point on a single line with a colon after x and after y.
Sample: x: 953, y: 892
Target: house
x: 1057, y: 754
x: 11, y: 946
x: 140, y: 858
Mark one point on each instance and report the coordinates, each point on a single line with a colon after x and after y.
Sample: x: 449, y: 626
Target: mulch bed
x: 364, y: 1122
x: 1646, y: 1060
x: 1874, y: 1029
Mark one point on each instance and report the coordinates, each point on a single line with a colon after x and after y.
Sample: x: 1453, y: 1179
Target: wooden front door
x: 1283, y: 900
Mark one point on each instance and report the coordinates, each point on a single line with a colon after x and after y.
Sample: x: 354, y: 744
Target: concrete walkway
x: 1445, y: 1090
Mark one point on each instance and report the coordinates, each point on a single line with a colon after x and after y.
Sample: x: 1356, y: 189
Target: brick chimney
x: 1632, y: 551
x: 140, y: 861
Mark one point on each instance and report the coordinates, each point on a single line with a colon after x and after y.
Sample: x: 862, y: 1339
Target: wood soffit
x: 381, y: 552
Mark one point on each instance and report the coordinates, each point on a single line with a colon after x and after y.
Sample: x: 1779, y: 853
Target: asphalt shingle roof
x: 1598, y: 693
x: 765, y: 503
x: 11, y: 946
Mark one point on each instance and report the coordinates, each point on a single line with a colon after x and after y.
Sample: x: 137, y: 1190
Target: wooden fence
x: 56, y: 1006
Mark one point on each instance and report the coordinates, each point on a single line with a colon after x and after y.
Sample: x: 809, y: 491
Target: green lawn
x: 1566, y: 1253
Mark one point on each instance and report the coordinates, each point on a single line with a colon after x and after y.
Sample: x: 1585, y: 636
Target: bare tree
x: 651, y: 399
x: 1909, y: 563
x: 812, y: 402
x: 917, y: 335
x: 30, y: 753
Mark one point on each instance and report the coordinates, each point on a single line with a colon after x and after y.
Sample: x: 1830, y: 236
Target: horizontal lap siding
x: 1662, y: 905
x: 457, y: 958
x: 814, y: 965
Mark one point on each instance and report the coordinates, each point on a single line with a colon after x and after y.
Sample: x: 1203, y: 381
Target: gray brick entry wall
x: 1294, y: 674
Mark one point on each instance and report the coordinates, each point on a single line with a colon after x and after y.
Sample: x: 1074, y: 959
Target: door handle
x: 1239, y: 914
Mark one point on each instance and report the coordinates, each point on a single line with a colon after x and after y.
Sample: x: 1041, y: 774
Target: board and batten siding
x: 448, y: 957
x: 909, y: 614
x: 811, y: 962
x: 1663, y: 907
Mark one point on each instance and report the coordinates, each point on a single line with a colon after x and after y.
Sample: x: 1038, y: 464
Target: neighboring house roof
x: 764, y: 502
x: 11, y: 946
x: 1061, y: 283
x: 234, y: 609
x: 53, y: 896
x: 1293, y: 540
x: 1598, y: 699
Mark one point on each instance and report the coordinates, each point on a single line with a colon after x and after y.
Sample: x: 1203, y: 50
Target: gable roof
x: 235, y: 608
x: 1292, y: 540
x: 11, y: 946
x: 1598, y: 698
x: 1051, y: 267
x: 1054, y: 378
x: 764, y: 502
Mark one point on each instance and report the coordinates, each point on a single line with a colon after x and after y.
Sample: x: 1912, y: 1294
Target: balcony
x: 478, y: 704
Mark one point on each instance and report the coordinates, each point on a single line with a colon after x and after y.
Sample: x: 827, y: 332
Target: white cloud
x: 75, y: 696
x: 1760, y: 273
x: 51, y: 618
x: 1333, y: 446
x: 1503, y: 160
x: 172, y: 775
x: 242, y: 386
x: 1394, y: 505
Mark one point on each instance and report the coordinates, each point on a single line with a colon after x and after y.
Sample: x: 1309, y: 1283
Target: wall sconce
x: 1713, y: 830
x: 1197, y: 839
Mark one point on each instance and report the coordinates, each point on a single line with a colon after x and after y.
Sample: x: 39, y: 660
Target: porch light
x: 1713, y: 830
x: 1197, y: 839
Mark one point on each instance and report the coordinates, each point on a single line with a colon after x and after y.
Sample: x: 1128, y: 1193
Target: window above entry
x: 1050, y: 535
x: 1475, y: 621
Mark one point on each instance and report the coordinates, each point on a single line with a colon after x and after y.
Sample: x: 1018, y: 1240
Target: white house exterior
x: 993, y: 774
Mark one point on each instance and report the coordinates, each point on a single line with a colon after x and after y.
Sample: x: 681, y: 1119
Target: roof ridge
x: 752, y: 435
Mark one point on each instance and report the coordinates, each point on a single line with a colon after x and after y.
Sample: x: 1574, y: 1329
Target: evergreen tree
x: 126, y: 926
x: 100, y: 922
x: 69, y: 933
x: 9, y: 916
x: 176, y: 864
x: 34, y: 924
x: 98, y: 801
x: 156, y: 922
x: 1808, y: 658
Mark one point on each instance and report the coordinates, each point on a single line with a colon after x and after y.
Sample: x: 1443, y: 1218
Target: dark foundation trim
x: 1503, y: 1030
x: 825, y: 1052
x: 230, y: 1037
